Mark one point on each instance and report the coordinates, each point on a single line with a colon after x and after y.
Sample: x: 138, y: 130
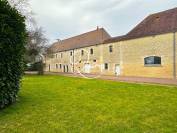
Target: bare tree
x: 24, y: 8
x: 36, y: 44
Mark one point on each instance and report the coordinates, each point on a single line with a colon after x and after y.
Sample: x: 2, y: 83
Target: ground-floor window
x: 152, y: 60
x: 106, y: 66
x: 56, y: 66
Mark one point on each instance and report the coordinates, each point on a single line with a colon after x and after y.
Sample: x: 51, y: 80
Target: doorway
x: 49, y: 67
x: 117, y: 69
x: 64, y: 69
x: 67, y: 69
x: 87, y: 68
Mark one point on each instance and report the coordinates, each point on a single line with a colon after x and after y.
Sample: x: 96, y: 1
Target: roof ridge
x: 164, y: 11
x: 99, y: 29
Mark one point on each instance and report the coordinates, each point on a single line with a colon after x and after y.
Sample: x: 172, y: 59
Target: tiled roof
x: 95, y: 37
x: 158, y: 23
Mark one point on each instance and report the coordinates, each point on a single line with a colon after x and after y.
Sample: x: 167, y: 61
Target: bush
x: 12, y: 40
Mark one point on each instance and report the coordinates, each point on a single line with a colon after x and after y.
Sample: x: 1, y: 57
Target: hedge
x: 12, y: 41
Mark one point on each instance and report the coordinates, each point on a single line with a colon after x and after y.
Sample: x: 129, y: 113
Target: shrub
x: 12, y: 40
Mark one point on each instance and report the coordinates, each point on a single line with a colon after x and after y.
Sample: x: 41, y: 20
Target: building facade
x: 149, y: 50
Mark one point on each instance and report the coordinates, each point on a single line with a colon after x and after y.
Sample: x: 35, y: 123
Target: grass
x: 74, y: 105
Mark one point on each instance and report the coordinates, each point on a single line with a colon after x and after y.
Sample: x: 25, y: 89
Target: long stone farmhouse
x: 148, y: 50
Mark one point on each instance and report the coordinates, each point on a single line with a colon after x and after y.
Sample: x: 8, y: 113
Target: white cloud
x: 65, y: 18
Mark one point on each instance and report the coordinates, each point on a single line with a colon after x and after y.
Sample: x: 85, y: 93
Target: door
x: 67, y: 69
x: 49, y: 67
x: 64, y: 69
x: 117, y: 69
x: 87, y: 68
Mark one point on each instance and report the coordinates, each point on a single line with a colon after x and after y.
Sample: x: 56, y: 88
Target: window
x: 60, y: 66
x: 152, y: 60
x: 106, y: 66
x: 91, y: 51
x: 61, y: 55
x: 110, y: 49
x: 56, y: 66
x: 94, y: 60
x: 71, y: 53
x: 82, y: 52
x: 56, y: 55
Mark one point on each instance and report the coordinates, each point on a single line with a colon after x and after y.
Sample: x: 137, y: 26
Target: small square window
x: 94, y: 60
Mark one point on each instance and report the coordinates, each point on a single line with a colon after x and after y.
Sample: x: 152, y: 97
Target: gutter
x: 174, y: 55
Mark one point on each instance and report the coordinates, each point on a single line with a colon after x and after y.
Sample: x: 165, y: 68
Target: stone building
x: 148, y: 50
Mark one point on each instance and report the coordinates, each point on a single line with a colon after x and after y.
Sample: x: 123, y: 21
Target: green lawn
x: 74, y: 105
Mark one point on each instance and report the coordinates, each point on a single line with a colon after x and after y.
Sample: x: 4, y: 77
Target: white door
x: 117, y: 69
x: 87, y: 68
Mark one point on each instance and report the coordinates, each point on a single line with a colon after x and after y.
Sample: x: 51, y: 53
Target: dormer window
x: 157, y: 18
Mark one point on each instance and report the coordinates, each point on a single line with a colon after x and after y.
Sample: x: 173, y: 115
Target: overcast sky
x: 65, y: 18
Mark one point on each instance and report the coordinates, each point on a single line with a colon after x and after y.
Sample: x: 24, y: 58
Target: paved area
x: 122, y: 78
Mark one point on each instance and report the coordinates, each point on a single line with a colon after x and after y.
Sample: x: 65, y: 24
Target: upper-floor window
x: 82, y: 52
x: 106, y: 66
x: 152, y: 60
x: 110, y: 49
x: 56, y: 55
x: 61, y: 55
x: 71, y: 53
x: 91, y: 51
